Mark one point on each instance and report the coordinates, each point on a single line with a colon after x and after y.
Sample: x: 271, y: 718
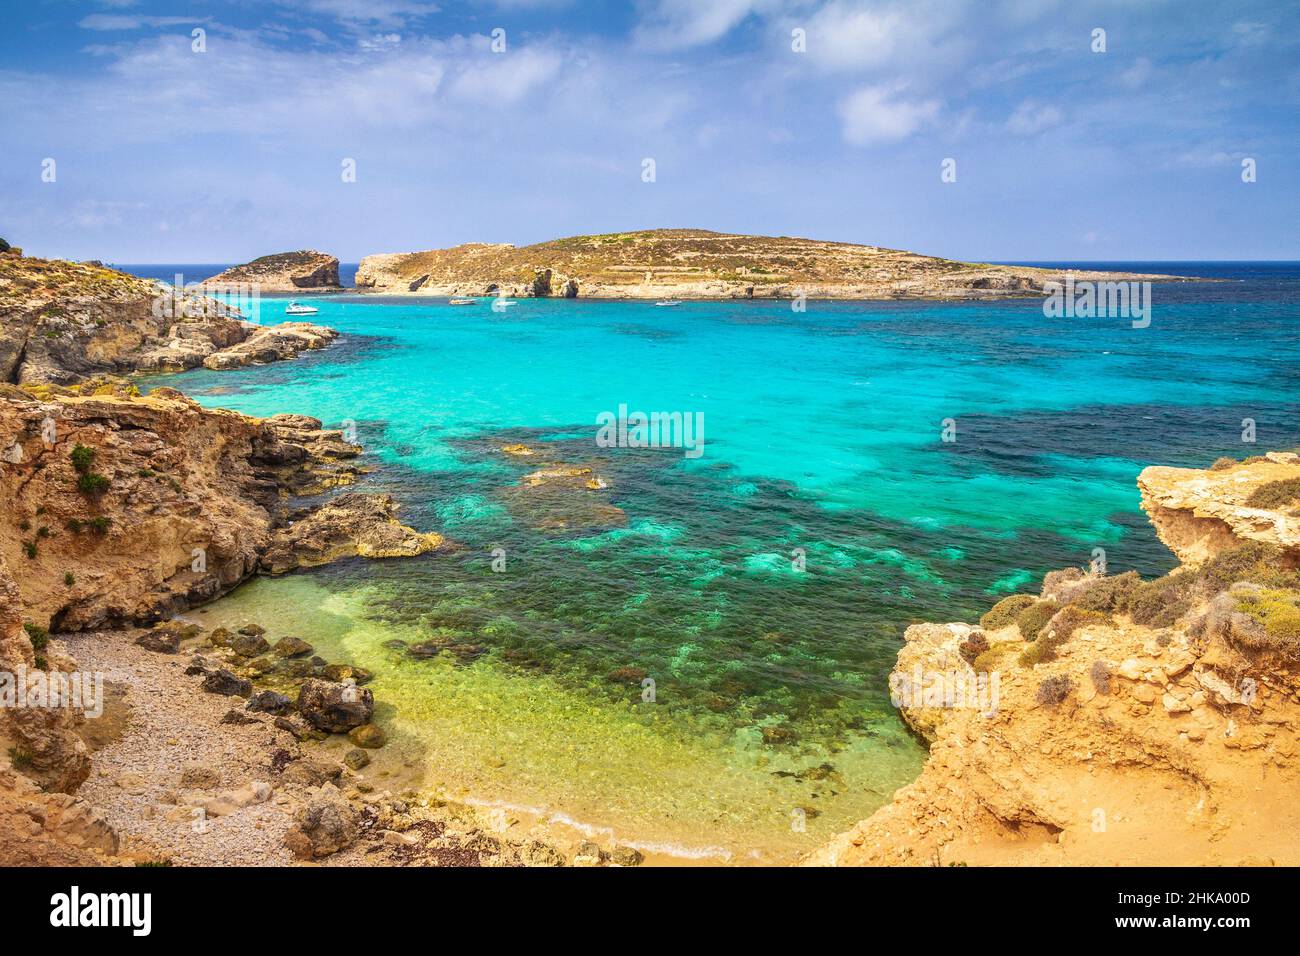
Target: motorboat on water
x: 293, y: 308
x: 665, y: 303
x: 462, y: 301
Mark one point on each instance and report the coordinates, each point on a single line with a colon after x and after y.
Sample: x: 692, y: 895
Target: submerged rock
x: 368, y: 735
x: 292, y: 647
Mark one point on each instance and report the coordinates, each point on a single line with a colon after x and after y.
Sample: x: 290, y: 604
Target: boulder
x: 324, y: 825
x: 356, y: 759
x: 223, y: 682
x: 249, y: 645
x: 269, y: 702
x: 335, y: 708
x: 292, y: 647
x: 160, y: 640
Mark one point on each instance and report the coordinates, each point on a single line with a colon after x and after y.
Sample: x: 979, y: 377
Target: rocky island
x: 699, y: 264
x: 305, y: 269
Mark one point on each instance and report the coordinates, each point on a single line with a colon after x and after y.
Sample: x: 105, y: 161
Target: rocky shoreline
x: 1112, y: 721
x: 1136, y: 722
x: 122, y: 514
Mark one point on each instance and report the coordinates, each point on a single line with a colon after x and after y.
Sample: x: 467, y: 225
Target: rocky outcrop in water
x: 699, y: 264
x: 61, y: 322
x: 306, y: 269
x: 351, y: 525
x: 121, y: 510
x: 1113, y: 721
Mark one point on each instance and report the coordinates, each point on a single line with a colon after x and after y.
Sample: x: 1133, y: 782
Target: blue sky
x: 165, y: 154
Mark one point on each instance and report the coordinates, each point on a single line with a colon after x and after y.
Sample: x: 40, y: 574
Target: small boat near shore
x: 293, y: 308
x: 462, y: 301
x: 666, y: 303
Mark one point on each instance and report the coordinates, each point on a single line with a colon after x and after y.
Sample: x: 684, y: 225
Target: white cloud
x: 920, y: 36
x: 677, y: 24
x: 874, y: 115
x: 1032, y: 117
x: 120, y: 21
x: 505, y: 78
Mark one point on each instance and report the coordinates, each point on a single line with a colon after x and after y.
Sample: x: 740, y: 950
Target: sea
x: 691, y: 655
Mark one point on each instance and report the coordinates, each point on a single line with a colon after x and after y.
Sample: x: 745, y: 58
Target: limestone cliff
x: 63, y: 321
x: 698, y: 264
x: 306, y: 269
x: 1109, y: 720
x: 1198, y: 514
x: 121, y: 510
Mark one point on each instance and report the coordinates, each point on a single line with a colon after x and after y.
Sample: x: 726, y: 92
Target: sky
x: 525, y: 120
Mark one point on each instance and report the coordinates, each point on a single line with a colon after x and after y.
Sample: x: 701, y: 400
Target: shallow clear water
x: 822, y: 438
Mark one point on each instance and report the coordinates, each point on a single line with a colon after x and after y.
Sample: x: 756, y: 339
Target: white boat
x: 293, y: 308
x: 462, y: 301
x: 665, y: 303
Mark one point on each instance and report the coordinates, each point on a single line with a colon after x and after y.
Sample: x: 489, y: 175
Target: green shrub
x: 41, y: 663
x: 20, y: 758
x: 74, y: 525
x: 1107, y: 593
x: 1222, y: 464
x: 29, y: 548
x: 37, y: 635
x: 100, y: 524
x: 1031, y: 655
x: 1256, y: 562
x: 4, y: 246
x: 92, y: 483
x: 1035, y: 617
x: 988, y: 661
x: 1062, y: 627
x: 69, y: 579
x: 1278, y: 614
x: 1161, y: 602
x: 82, y: 458
x: 1005, y: 611
x: 1275, y: 494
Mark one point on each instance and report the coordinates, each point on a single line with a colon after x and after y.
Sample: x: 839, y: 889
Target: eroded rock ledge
x: 1198, y: 514
x: 121, y: 510
x: 1135, y: 722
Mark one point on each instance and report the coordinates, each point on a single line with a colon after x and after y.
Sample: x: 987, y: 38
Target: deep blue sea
x: 763, y: 586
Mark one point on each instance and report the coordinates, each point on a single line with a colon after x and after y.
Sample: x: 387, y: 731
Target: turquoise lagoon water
x: 771, y: 727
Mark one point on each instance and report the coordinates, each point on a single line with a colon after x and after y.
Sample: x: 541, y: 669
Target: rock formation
x: 284, y: 272
x: 1110, y: 720
x: 698, y: 264
x: 1198, y: 514
x: 122, y: 510
x: 63, y: 321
